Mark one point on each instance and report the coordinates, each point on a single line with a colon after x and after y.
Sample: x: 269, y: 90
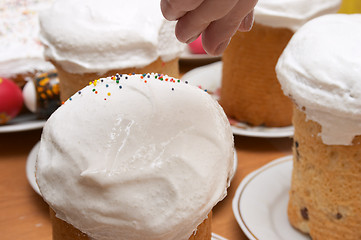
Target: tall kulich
x: 250, y: 90
x: 21, y: 53
x: 319, y: 71
x: 139, y: 156
x: 99, y: 39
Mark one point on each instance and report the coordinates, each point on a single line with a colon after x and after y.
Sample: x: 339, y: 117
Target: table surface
x: 24, y: 214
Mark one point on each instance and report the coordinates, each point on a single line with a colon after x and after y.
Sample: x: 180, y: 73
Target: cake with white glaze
x: 136, y: 157
x: 320, y: 71
x: 22, y: 54
x: 90, y: 39
x: 250, y: 91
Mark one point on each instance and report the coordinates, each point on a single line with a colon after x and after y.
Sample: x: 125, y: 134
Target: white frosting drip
x: 146, y: 161
x: 320, y: 69
x: 292, y: 14
x: 98, y: 36
x: 20, y: 49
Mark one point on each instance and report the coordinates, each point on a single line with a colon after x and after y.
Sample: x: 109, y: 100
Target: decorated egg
x: 41, y: 94
x: 11, y: 100
x: 196, y: 46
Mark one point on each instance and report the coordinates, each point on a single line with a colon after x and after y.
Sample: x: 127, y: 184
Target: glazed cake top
x: 292, y: 14
x: 320, y: 70
x: 137, y: 156
x: 98, y: 36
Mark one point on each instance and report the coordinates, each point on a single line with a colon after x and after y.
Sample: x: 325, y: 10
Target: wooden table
x: 24, y: 214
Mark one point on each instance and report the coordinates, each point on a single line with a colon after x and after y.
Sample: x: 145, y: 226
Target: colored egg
x: 196, y: 46
x: 11, y: 100
x: 41, y: 94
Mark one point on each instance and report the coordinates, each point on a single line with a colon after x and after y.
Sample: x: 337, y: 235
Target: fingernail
x: 247, y: 22
x: 192, y: 39
x: 221, y: 47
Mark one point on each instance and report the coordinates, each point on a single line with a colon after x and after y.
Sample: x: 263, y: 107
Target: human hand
x: 216, y: 20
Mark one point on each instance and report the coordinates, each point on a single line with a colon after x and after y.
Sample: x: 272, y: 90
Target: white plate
x: 260, y: 203
x: 30, y: 167
x: 239, y: 128
x: 31, y: 161
x: 23, y: 122
x: 209, y: 77
x: 217, y: 237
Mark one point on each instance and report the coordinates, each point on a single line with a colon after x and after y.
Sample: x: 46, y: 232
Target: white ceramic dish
x: 23, y: 122
x: 209, y: 77
x: 217, y: 237
x: 30, y: 167
x: 244, y: 129
x: 31, y: 160
x: 260, y: 203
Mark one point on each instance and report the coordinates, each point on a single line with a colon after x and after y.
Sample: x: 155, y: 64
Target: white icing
x: 320, y: 69
x: 292, y: 14
x: 147, y: 161
x: 20, y: 48
x: 98, y: 36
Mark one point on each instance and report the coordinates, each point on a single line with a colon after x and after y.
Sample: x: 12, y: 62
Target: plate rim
x: 30, y: 124
x: 242, y: 186
x: 285, y: 133
x: 30, y: 167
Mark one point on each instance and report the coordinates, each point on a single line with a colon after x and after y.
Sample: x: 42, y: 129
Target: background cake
x: 89, y: 39
x: 320, y: 70
x: 22, y: 54
x: 136, y: 157
x: 250, y: 91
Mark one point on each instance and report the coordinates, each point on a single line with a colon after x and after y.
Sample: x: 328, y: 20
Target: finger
x: 215, y: 43
x: 194, y: 22
x: 174, y: 9
x: 247, y: 23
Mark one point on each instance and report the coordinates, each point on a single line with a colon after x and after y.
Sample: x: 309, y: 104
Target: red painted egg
x: 11, y: 100
x: 196, y: 46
